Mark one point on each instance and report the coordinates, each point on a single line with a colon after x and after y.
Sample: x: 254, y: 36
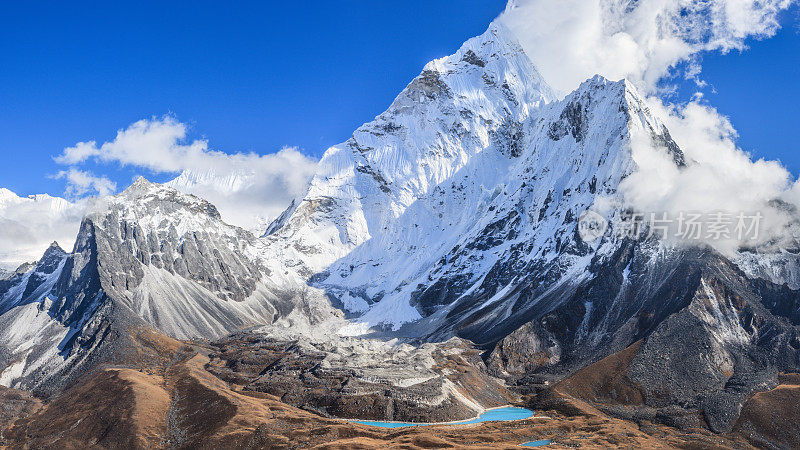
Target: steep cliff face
x: 458, y: 108
x: 54, y: 318
x: 687, y: 335
x: 169, y: 258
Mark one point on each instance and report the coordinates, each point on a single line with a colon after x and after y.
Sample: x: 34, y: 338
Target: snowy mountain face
x: 249, y: 190
x: 231, y: 182
x: 474, y: 175
x: 782, y: 267
x: 455, y: 110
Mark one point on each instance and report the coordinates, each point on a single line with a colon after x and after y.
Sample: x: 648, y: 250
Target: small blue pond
x: 541, y: 443
x: 505, y: 414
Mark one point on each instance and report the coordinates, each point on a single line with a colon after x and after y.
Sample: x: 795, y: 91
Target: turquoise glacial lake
x: 541, y: 443
x: 505, y: 414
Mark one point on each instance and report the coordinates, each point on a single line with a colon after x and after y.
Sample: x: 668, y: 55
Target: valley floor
x: 166, y: 398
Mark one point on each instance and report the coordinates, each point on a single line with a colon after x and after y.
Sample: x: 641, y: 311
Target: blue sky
x: 759, y: 90
x: 265, y: 75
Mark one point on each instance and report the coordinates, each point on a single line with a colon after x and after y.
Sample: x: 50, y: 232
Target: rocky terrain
x: 699, y: 342
x: 363, y: 379
x: 433, y: 269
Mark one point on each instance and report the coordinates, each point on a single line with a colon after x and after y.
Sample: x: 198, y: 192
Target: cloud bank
x: 719, y: 178
x: 30, y: 224
x: 248, y: 189
x: 570, y: 41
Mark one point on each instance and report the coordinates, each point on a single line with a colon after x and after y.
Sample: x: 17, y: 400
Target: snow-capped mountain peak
x: 457, y: 108
x: 7, y: 196
x: 396, y: 223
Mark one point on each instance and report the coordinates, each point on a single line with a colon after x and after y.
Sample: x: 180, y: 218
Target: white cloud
x: 30, y: 224
x: 719, y: 177
x: 80, y: 183
x: 570, y: 41
x: 152, y: 144
x: 248, y: 189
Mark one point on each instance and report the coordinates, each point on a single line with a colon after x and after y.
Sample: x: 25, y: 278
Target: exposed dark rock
x: 472, y: 58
